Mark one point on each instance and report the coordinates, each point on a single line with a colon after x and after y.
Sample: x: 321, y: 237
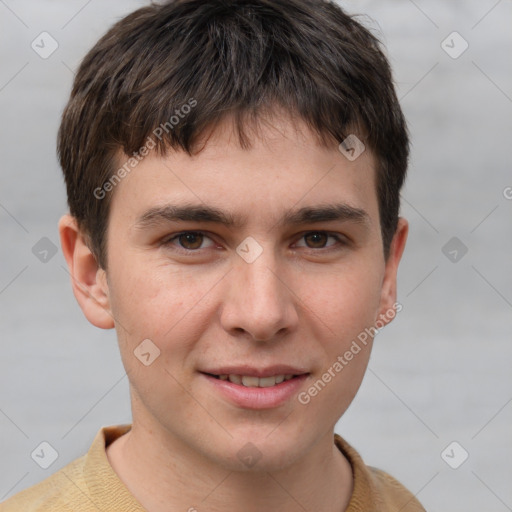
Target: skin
x: 301, y: 302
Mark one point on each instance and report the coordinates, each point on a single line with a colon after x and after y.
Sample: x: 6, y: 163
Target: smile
x: 251, y: 381
x: 252, y: 392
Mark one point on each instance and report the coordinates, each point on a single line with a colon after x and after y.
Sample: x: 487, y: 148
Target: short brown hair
x: 231, y: 57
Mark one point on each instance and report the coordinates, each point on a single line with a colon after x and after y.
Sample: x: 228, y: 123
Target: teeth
x: 266, y: 382
x: 254, y: 382
x: 235, y: 379
x: 250, y: 382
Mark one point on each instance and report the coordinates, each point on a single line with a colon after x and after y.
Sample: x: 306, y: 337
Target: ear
x: 88, y: 280
x: 388, y: 308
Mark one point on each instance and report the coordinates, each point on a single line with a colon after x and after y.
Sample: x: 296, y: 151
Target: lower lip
x: 258, y: 398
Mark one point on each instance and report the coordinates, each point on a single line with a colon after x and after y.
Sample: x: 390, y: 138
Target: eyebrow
x: 201, y: 213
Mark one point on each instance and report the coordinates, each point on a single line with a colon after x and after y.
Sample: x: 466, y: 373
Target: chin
x: 262, y: 450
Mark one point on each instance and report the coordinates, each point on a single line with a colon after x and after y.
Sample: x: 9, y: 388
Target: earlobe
x: 388, y: 300
x: 88, y: 280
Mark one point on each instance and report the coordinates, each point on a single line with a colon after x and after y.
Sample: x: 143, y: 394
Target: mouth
x: 252, y: 381
x: 250, y: 388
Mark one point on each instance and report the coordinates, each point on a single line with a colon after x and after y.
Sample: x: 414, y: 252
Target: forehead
x: 286, y: 168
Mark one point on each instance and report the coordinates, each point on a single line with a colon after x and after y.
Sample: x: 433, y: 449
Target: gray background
x: 439, y: 373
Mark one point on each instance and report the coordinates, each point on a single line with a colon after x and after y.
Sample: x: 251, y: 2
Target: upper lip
x: 269, y: 371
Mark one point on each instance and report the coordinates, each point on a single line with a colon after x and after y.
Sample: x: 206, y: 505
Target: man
x: 233, y: 171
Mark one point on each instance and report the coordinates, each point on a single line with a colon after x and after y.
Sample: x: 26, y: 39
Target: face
x: 266, y: 263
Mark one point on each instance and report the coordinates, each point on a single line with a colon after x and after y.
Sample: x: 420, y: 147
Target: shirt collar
x: 105, y: 486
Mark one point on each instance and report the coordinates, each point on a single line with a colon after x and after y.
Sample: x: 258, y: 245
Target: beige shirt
x: 89, y: 484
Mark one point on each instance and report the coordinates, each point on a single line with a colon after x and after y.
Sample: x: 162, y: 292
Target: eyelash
x: 341, y: 241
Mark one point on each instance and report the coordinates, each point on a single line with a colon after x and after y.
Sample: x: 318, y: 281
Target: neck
x: 164, y: 474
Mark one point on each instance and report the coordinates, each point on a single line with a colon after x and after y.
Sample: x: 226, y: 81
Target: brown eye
x: 319, y: 240
x: 188, y: 241
x: 191, y: 241
x: 316, y: 240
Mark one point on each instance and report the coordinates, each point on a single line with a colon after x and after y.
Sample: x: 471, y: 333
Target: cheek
x: 344, y: 302
x: 171, y: 308
x: 347, y: 307
x: 145, y: 295
x: 165, y: 307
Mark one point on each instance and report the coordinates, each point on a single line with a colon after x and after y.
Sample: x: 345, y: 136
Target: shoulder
x: 375, y: 490
x: 87, y: 484
x: 393, y: 493
x: 59, y: 492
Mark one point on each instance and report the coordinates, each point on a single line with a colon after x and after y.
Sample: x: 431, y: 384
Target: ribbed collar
x: 109, y: 492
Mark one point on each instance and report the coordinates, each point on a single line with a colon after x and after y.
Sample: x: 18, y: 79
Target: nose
x: 258, y: 303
